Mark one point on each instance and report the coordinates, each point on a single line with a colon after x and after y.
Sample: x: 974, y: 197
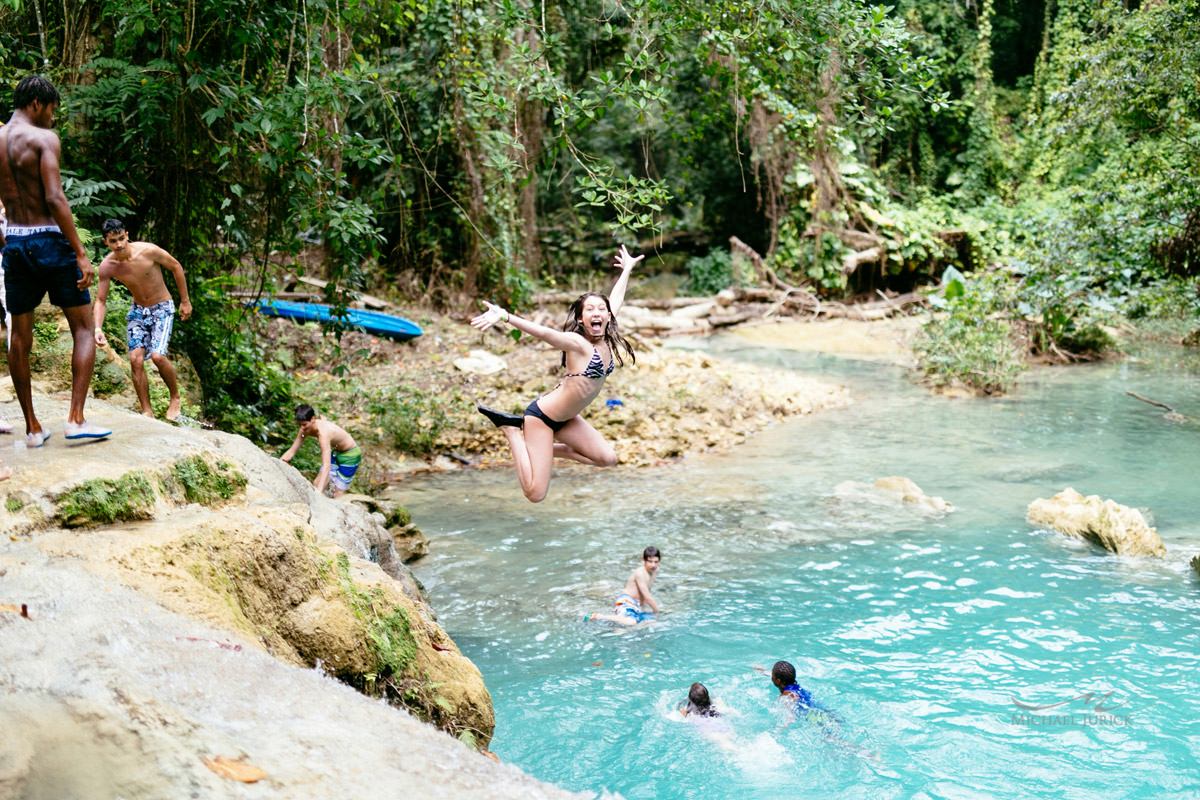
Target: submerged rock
x: 893, y: 489
x: 1117, y: 528
x: 911, y: 494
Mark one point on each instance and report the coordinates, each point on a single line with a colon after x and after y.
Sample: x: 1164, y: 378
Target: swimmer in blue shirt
x: 798, y: 700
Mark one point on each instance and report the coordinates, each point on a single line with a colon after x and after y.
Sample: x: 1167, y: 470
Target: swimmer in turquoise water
x: 698, y: 704
x: 798, y: 700
x: 632, y: 603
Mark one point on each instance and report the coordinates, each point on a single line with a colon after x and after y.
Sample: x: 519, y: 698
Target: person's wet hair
x: 112, y: 226
x: 783, y: 673
x: 651, y: 552
x: 699, y: 702
x: 304, y: 412
x: 34, y: 87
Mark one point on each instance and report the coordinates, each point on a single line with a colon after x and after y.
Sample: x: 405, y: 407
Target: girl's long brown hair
x: 612, y: 332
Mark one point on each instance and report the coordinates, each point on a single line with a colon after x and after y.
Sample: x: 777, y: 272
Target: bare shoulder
x: 579, y: 344
x: 44, y: 139
x: 151, y: 249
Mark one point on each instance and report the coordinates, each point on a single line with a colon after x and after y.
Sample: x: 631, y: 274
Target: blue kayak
x: 370, y: 321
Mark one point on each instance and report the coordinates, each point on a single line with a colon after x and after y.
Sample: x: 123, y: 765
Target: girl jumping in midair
x: 551, y: 426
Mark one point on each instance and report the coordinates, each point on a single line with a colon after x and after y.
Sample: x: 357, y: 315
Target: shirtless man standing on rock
x: 139, y: 266
x: 43, y: 254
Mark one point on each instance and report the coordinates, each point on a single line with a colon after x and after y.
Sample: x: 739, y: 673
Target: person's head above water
x: 591, y: 317
x: 783, y: 675
x: 699, y: 702
x: 651, y: 558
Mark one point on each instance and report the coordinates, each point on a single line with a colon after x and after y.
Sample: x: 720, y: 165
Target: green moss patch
x: 13, y: 504
x: 194, y: 479
x: 388, y: 627
x: 103, y: 501
x: 198, y: 480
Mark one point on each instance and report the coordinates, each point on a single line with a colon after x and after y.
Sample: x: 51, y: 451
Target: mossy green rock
x: 103, y: 501
x: 133, y: 496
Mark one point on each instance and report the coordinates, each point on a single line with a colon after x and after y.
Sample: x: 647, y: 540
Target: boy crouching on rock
x: 340, y: 455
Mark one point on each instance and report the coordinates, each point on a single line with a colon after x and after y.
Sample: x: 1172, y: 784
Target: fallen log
x: 368, y: 301
x: 852, y: 261
x: 725, y: 320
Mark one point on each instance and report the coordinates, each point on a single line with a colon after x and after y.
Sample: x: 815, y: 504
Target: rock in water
x: 909, y: 493
x: 1117, y: 528
x: 1196, y: 564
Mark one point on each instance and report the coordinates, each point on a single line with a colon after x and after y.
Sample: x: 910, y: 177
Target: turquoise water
x: 917, y: 631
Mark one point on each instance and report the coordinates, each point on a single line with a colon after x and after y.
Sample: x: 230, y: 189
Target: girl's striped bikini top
x: 595, y: 368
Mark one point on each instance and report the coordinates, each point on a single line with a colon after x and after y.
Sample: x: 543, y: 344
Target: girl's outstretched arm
x: 563, y: 340
x: 624, y: 262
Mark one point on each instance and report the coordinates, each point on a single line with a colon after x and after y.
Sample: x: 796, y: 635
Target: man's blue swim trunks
x: 629, y: 607
x: 149, y: 327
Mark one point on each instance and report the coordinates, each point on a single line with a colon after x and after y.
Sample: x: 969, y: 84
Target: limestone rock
x: 1117, y: 528
x: 909, y: 492
x: 213, y: 528
x: 480, y: 362
x: 410, y: 543
x: 894, y: 489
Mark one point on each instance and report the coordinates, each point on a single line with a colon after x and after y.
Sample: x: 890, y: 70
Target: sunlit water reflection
x: 917, y: 631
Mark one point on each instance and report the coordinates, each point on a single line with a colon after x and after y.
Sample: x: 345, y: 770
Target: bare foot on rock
x: 173, y: 410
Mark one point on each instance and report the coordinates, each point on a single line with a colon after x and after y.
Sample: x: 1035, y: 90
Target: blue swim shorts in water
x: 627, y: 606
x: 149, y: 327
x: 37, y: 261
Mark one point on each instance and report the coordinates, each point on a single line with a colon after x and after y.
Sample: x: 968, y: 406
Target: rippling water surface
x: 918, y: 632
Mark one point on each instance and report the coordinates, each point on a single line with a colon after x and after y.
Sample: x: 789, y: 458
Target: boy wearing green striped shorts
x: 340, y: 455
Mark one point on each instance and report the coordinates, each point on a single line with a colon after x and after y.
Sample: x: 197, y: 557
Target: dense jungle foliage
x: 441, y: 149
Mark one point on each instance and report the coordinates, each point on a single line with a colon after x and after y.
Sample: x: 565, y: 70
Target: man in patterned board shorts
x: 139, y: 266
x: 43, y: 254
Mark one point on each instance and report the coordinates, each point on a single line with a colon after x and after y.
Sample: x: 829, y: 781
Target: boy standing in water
x: 139, y: 266
x: 628, y: 608
x: 340, y: 455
